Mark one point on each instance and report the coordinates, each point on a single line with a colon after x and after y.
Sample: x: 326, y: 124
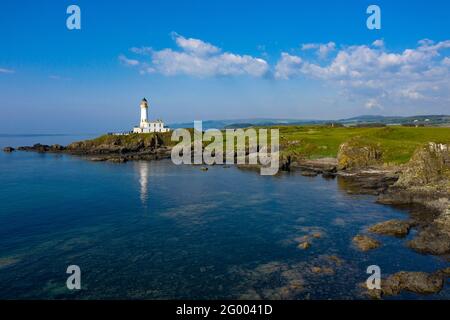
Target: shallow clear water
x: 154, y: 230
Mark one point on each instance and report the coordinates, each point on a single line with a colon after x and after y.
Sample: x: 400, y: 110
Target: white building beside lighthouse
x: 146, y: 126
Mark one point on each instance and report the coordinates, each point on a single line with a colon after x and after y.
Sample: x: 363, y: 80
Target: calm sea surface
x: 153, y: 230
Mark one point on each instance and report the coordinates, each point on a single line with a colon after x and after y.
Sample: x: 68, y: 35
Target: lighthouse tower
x: 146, y: 126
x: 144, y: 112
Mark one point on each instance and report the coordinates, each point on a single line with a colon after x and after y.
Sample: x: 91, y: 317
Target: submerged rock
x: 8, y: 261
x: 334, y: 259
x: 395, y: 228
x: 305, y: 241
x: 304, y: 245
x: 365, y: 243
x: 322, y: 270
x: 317, y: 235
x: 416, y: 282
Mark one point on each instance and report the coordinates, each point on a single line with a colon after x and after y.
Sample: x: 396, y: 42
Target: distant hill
x: 428, y: 120
x: 243, y: 123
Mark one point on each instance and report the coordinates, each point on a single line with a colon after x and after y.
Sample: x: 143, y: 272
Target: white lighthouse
x: 144, y: 111
x: 146, y: 126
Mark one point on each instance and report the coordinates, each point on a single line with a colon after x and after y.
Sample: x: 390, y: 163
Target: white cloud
x: 372, y: 104
x: 195, y: 46
x: 4, y: 70
x: 128, y: 62
x: 446, y: 61
x: 323, y: 49
x: 370, y: 75
x: 288, y: 66
x: 378, y: 77
x: 378, y: 43
x: 309, y: 46
x: 58, y: 77
x: 142, y: 50
x: 195, y: 57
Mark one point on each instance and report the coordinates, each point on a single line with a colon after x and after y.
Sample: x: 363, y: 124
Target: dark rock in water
x: 204, y: 168
x: 41, y: 147
x: 308, y: 173
x: 36, y: 148
x: 417, y: 282
x: 323, y: 165
x: 99, y: 159
x: 117, y: 160
x: 57, y: 147
x: 8, y: 149
x: 370, y: 182
x: 285, y: 163
x: 431, y: 239
x: 396, y: 228
x: 365, y: 243
x: 113, y: 148
x: 329, y: 175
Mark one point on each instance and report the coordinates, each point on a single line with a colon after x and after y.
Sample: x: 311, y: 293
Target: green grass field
x: 312, y: 142
x: 396, y: 143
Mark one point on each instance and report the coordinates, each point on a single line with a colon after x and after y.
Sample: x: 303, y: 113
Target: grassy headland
x: 397, y: 144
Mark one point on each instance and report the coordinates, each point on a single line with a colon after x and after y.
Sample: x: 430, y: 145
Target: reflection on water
x: 143, y: 169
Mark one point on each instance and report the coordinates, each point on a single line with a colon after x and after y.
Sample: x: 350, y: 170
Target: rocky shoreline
x: 422, y: 183
x: 111, y: 153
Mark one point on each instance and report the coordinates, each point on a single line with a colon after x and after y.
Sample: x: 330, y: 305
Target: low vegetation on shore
x: 395, y: 144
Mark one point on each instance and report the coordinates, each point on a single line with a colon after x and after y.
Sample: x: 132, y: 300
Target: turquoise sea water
x: 153, y: 230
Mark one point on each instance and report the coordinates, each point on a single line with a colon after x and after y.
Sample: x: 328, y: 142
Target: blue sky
x: 218, y: 60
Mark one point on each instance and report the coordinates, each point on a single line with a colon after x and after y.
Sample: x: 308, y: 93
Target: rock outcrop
x: 112, y: 148
x: 365, y: 243
x: 117, y: 144
x: 355, y: 154
x: 43, y: 148
x: 8, y: 149
x: 429, y: 165
x: 416, y: 282
x: 425, y: 181
x: 395, y: 228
